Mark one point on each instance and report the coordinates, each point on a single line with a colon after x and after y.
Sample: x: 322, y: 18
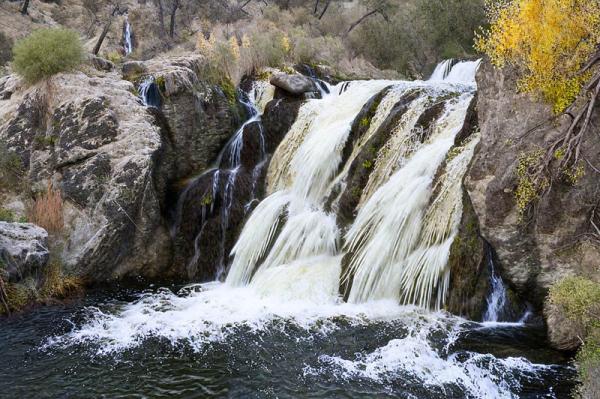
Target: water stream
x: 278, y: 326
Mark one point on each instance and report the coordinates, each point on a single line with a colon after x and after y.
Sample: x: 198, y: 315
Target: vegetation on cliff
x: 555, y: 48
x: 579, y: 299
x: 47, y: 52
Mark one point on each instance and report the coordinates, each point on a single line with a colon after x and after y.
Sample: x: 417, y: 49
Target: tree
x: 25, y: 7
x: 374, y: 7
x: 550, y: 41
x: 115, y: 9
x: 174, y: 7
x: 47, y: 52
x: 555, y: 47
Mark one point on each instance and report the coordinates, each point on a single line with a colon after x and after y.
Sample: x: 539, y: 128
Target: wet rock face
x: 23, y: 249
x: 200, y: 116
x: 551, y: 244
x: 294, y: 84
x: 214, y: 206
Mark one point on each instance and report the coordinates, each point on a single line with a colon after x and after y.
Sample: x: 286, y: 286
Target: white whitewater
x: 497, y: 298
x: 300, y: 174
x: 401, y: 238
x: 287, y: 260
x: 128, y: 41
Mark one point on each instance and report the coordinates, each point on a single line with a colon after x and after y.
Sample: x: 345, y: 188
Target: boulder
x: 133, y: 69
x: 100, y: 63
x: 551, y: 244
x: 294, y: 84
x: 23, y: 249
x: 200, y: 116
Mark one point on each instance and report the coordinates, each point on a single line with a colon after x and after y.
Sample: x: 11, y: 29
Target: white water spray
x: 127, y: 37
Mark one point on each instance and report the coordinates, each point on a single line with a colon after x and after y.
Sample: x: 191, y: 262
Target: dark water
x: 282, y: 360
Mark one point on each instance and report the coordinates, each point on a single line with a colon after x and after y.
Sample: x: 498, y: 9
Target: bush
x: 579, y: 299
x: 47, y: 211
x: 47, y: 52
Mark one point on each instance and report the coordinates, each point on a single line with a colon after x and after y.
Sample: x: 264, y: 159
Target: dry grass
x: 59, y: 285
x: 47, y: 210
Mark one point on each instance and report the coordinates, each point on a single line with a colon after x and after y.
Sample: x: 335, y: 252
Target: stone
x: 100, y: 63
x: 534, y: 255
x: 133, y: 69
x: 23, y: 249
x: 294, y: 84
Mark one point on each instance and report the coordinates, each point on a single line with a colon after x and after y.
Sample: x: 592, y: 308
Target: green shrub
x: 6, y: 215
x: 579, y: 299
x: 47, y: 52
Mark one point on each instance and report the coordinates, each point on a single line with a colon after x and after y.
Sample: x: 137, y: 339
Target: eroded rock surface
x: 550, y: 244
x: 23, y: 249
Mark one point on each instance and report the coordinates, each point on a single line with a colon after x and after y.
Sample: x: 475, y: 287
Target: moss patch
x: 579, y: 300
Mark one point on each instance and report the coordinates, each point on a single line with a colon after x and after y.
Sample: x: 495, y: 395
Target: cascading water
x: 278, y: 326
x: 127, y: 37
x: 149, y: 92
x: 222, y: 180
x: 399, y: 244
x: 497, y: 299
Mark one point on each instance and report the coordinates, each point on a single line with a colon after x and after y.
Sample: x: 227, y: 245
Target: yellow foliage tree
x: 549, y: 41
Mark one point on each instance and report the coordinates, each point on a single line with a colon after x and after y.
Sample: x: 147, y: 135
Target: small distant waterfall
x: 149, y: 93
x: 398, y: 245
x: 127, y: 37
x: 497, y: 299
x: 442, y: 70
x: 455, y: 72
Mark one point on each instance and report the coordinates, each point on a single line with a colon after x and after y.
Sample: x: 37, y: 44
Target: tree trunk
x: 102, y: 36
x: 361, y: 19
x: 325, y: 9
x: 161, y: 17
x: 316, y: 7
x: 173, y: 18
x: 25, y: 7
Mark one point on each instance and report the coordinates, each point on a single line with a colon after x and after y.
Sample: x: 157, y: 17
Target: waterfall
x: 497, y: 298
x: 299, y: 176
x: 442, y: 70
x: 408, y: 217
x: 127, y: 37
x: 220, y: 189
x: 149, y: 93
x: 455, y: 72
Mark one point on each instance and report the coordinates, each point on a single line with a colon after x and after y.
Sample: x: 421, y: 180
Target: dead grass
x: 47, y: 210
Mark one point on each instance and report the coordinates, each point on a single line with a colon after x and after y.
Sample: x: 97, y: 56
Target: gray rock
x: 133, y: 69
x: 100, y: 63
x: 294, y: 84
x: 114, y: 160
x: 23, y: 249
x: 534, y: 255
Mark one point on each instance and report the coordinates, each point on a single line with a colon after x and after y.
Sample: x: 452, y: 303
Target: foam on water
x: 414, y: 359
x: 202, y: 315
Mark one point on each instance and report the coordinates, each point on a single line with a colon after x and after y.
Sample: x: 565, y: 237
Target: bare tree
x: 374, y: 7
x: 161, y: 17
x: 325, y: 9
x: 115, y: 10
x: 174, y: 7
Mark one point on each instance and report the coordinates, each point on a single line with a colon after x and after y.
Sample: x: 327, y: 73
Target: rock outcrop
x: 113, y: 160
x: 533, y: 254
x: 23, y: 249
x: 294, y: 84
x: 556, y: 239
